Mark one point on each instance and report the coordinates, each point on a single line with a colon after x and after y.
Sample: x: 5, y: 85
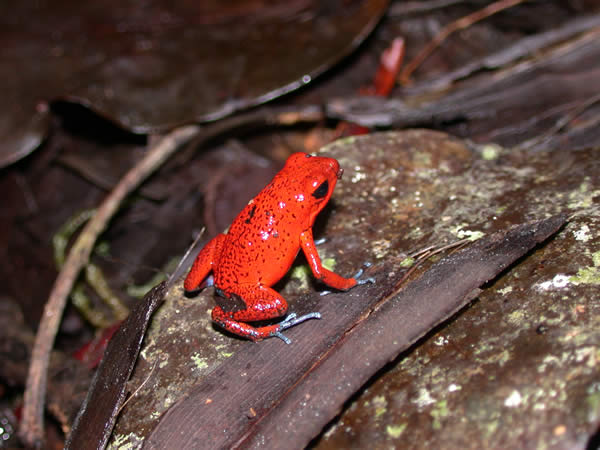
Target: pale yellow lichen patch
x: 506, y: 290
x: 490, y: 152
x: 301, y: 274
x: 407, y: 262
x: 380, y: 404
x: 438, y: 413
x: 380, y: 248
x: 394, y: 431
x: 461, y: 233
x: 199, y: 362
x: 588, y: 275
x: 517, y: 317
x: 125, y: 442
x: 583, y: 197
x: 415, y: 233
x: 596, y: 259
x: 164, y: 361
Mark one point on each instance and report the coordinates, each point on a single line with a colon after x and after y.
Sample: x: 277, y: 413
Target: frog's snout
x: 340, y: 172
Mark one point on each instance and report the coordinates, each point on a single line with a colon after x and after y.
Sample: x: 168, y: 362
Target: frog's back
x: 261, y: 243
x: 264, y: 238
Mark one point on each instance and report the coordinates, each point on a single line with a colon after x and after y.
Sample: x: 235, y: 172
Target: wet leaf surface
x: 94, y: 423
x: 152, y: 66
x: 295, y: 392
x: 520, y: 364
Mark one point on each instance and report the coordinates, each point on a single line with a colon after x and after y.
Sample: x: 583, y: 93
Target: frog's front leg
x: 251, y: 304
x: 328, y: 277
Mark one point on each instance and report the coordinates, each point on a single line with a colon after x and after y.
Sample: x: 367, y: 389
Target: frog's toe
x: 290, y: 316
x: 365, y: 280
x: 282, y: 337
x: 291, y: 320
x: 358, y: 274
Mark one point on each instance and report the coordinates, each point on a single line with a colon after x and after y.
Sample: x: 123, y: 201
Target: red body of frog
x: 261, y: 245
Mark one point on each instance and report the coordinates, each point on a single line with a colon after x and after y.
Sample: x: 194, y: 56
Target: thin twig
x: 173, y: 275
x: 427, y: 253
x: 211, y: 193
x: 133, y: 394
x: 460, y: 24
x: 560, y: 124
x: 403, y: 9
x: 32, y: 426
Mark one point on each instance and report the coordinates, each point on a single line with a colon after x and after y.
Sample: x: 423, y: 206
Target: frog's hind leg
x: 253, y: 304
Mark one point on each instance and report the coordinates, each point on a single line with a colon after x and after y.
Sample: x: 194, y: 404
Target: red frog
x: 261, y: 245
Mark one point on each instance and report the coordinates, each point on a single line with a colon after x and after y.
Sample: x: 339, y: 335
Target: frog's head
x: 314, y: 178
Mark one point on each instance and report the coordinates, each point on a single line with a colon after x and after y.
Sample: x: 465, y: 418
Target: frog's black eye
x: 322, y: 190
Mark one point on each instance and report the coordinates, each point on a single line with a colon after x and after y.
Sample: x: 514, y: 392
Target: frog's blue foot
x: 320, y: 241
x: 358, y: 274
x: 290, y: 321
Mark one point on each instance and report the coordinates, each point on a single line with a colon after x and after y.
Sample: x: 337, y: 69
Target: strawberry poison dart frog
x: 261, y: 245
